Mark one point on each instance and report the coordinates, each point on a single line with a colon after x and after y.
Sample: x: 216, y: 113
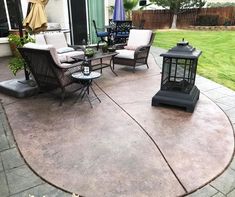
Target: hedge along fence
x: 159, y: 19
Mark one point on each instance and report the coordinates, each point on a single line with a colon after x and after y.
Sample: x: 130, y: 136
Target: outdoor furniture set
x: 117, y: 32
x: 53, y: 63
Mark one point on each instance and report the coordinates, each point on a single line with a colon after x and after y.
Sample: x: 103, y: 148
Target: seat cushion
x: 124, y: 53
x: 48, y: 47
x: 139, y: 37
x: 102, y: 34
x: 67, y: 57
x: 56, y: 39
x: 122, y: 34
x: 69, y: 65
x: 65, y: 50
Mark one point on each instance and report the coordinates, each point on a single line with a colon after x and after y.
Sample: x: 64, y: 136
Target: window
x: 3, y: 20
x: 8, y: 16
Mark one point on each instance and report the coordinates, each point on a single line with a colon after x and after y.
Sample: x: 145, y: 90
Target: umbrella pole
x: 18, y: 5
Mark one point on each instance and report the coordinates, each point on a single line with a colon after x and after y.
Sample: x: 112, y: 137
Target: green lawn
x: 217, y: 61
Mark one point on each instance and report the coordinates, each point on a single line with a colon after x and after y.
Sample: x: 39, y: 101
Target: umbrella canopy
x: 36, y: 19
x: 119, y: 11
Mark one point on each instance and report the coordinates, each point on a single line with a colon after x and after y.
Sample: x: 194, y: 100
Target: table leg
x: 95, y: 94
x: 112, y: 68
x: 83, y: 89
x: 101, y: 63
x: 86, y: 91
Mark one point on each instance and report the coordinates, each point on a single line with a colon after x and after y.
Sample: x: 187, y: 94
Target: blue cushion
x: 122, y: 34
x: 102, y: 34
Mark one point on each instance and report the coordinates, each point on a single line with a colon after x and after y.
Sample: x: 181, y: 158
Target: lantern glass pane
x: 166, y: 68
x: 178, y: 74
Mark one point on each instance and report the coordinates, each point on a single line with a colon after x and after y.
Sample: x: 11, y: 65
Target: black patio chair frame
x: 102, y: 38
x: 46, y: 72
x: 122, y: 31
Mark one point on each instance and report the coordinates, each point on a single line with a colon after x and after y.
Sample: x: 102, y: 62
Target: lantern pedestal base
x: 177, y: 98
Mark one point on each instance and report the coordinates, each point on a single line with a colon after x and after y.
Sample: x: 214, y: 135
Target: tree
x: 129, y: 5
x: 216, y: 5
x: 178, y: 6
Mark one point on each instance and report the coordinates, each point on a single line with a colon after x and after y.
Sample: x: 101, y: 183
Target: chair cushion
x: 124, y: 53
x: 67, y: 57
x: 130, y: 47
x: 69, y: 65
x: 102, y: 34
x: 37, y: 46
x: 139, y: 37
x: 65, y: 50
x: 62, y: 58
x: 39, y: 39
x: 51, y: 48
x: 56, y: 39
x: 122, y: 34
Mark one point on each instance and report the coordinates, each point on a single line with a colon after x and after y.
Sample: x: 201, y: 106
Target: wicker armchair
x: 47, y: 70
x: 136, y: 52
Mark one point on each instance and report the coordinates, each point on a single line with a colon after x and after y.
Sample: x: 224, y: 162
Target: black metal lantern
x: 178, y: 77
x: 86, y: 68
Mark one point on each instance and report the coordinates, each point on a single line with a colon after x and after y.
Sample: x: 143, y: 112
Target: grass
x: 217, y: 61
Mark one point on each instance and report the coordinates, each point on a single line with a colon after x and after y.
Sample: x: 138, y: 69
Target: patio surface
x: 123, y: 146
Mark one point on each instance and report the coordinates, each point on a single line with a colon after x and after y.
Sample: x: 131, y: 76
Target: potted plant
x: 105, y: 48
x: 89, y: 52
x: 17, y: 63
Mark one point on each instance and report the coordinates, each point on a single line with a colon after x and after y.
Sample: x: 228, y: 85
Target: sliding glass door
x: 96, y: 11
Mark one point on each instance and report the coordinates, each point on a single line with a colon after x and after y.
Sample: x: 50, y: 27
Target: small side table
x: 87, y: 84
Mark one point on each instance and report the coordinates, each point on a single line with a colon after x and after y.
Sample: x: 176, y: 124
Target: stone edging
x: 228, y: 28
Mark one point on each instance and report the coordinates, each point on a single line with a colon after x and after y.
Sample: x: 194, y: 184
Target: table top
x: 97, y: 55
x: 81, y: 76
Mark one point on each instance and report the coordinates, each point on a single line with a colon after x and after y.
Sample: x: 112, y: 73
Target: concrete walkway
x: 16, y: 179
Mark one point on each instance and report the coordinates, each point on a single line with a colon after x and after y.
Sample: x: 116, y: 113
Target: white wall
x: 4, y: 47
x: 57, y: 12
x: 24, y: 4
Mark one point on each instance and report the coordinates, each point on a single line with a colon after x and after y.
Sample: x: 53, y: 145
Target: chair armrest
x: 142, y: 51
x: 69, y: 65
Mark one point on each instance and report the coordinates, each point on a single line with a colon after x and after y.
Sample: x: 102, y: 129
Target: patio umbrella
x: 36, y: 19
x: 119, y: 11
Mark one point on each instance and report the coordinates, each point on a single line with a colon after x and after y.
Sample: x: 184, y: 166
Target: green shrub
x: 207, y: 20
x: 17, y: 62
x: 228, y: 22
x: 19, y: 42
x: 216, y: 5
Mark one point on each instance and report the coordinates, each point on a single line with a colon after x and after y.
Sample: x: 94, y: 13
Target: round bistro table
x: 87, y: 85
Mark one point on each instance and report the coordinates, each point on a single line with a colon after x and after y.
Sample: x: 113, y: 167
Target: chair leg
x: 62, y: 96
x: 147, y: 65
x: 97, y: 47
x: 133, y: 69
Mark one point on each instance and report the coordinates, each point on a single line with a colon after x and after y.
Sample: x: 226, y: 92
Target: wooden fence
x: 159, y: 19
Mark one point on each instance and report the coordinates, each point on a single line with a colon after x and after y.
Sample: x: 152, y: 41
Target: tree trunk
x: 174, y: 21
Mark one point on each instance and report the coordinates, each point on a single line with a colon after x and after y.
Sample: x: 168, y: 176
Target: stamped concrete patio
x: 123, y: 146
